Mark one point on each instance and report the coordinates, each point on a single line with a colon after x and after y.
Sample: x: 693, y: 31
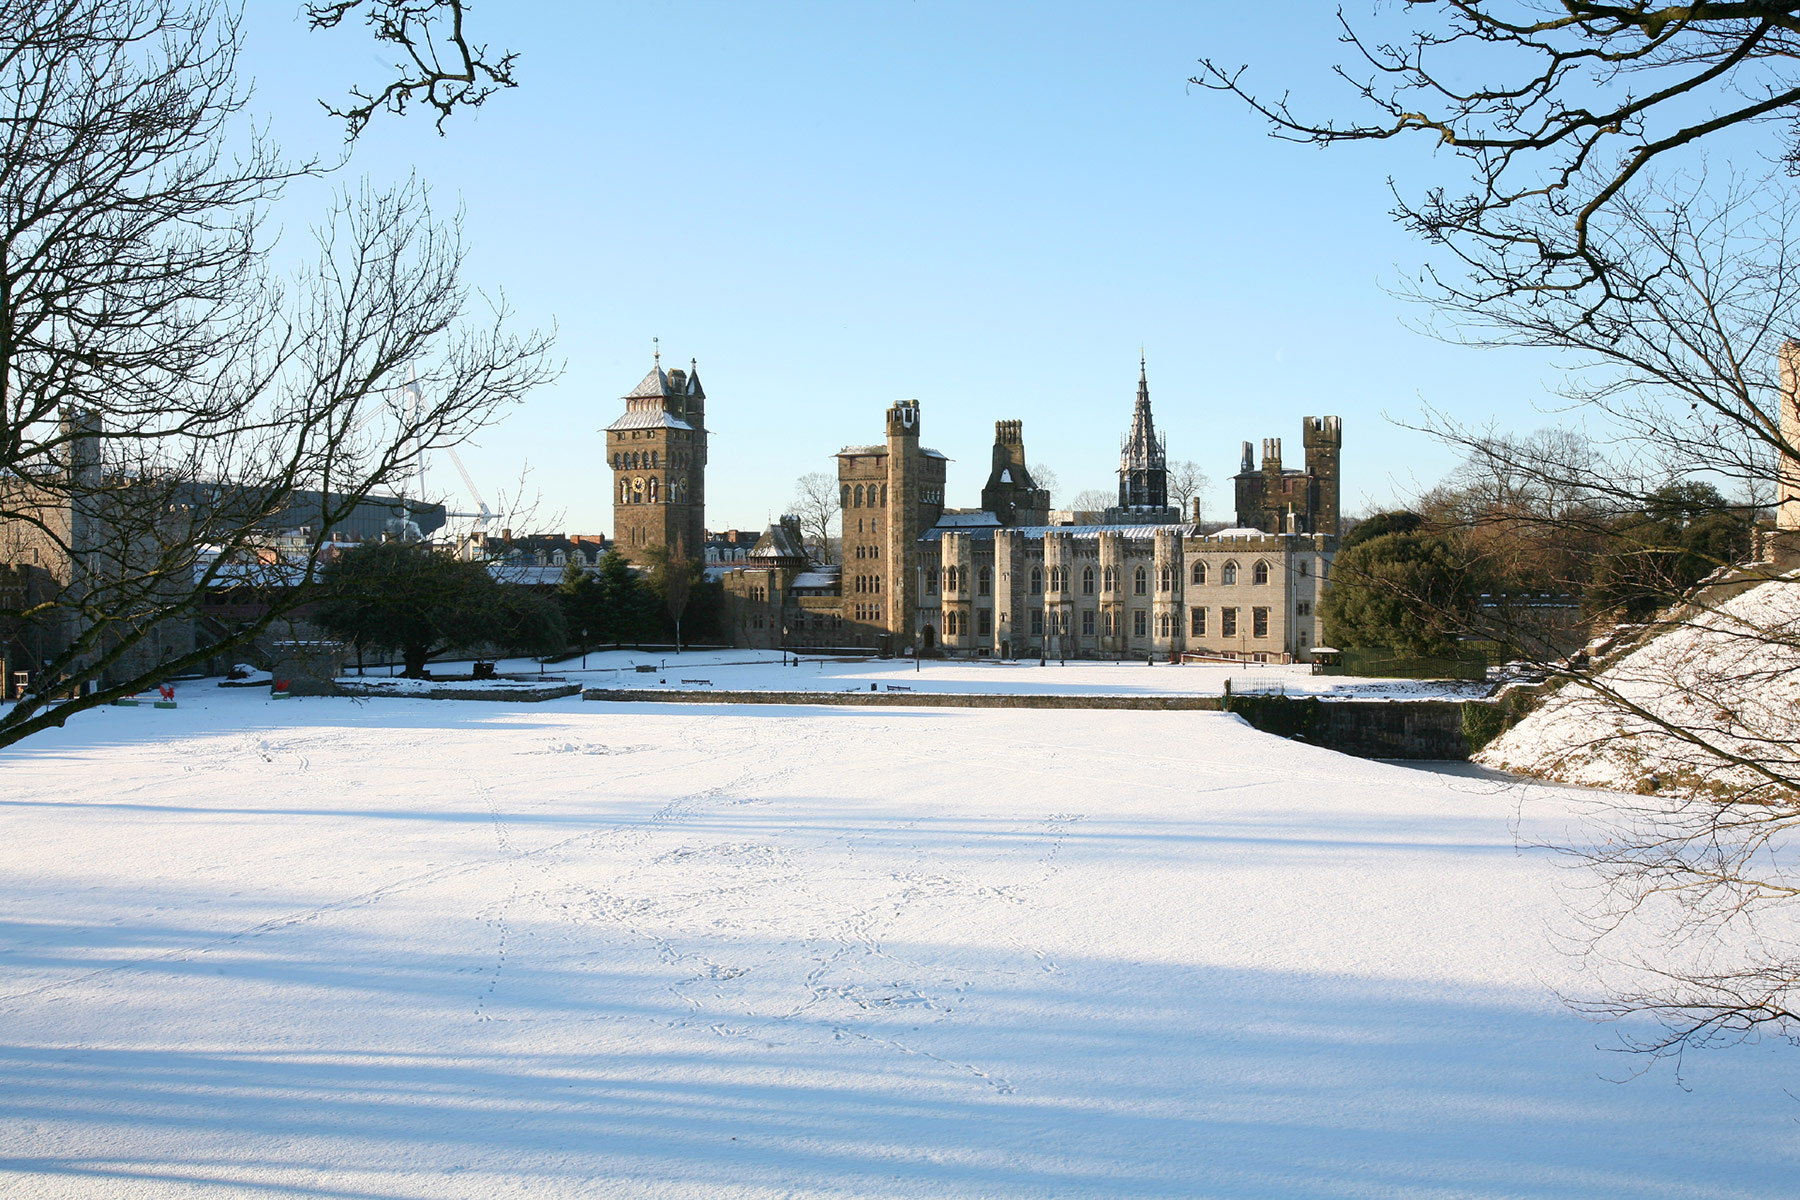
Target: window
x: 884, y: 495
x: 1056, y: 580
x: 1140, y: 622
x: 1260, y: 572
x: 1037, y: 622
x: 1165, y: 578
x: 984, y: 583
x: 1087, y: 583
x: 1140, y: 582
x: 1259, y: 622
x: 653, y: 460
x: 1228, y: 575
x: 846, y: 499
x: 1087, y: 617
x: 984, y: 622
x: 1303, y: 568
x: 931, y: 581
x: 952, y: 623
x: 1304, y: 607
x: 952, y: 579
x: 1106, y: 623
x: 1037, y: 581
x: 874, y: 524
x: 1197, y: 622
x: 1199, y: 572
x: 1228, y: 622
x: 1107, y: 580
x: 1162, y: 624
x: 857, y: 495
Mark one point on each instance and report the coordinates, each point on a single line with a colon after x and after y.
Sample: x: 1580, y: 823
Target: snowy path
x: 406, y: 949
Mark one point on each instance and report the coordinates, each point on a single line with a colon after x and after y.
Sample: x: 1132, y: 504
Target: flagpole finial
x: 656, y: 349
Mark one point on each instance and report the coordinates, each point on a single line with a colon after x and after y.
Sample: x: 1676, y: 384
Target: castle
x: 1001, y: 580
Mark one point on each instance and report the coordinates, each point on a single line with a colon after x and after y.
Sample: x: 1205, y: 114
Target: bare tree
x: 440, y: 69
x: 1092, y: 500
x: 816, y: 504
x: 1582, y: 219
x: 1046, y: 479
x: 168, y: 410
x: 1187, y: 482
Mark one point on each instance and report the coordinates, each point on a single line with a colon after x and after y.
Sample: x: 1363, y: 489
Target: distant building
x: 1002, y: 580
x: 657, y: 451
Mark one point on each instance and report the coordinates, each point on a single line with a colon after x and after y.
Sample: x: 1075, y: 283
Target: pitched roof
x: 655, y: 384
x: 649, y: 420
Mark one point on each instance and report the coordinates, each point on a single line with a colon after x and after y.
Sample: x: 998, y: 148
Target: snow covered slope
x: 1730, y: 674
x: 389, y: 949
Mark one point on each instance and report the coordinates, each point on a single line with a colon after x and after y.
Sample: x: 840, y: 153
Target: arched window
x: 1162, y: 625
x: 984, y: 582
x: 1109, y: 580
x: 931, y: 581
x: 650, y: 489
x: 952, y: 579
x: 884, y: 495
x: 1140, y: 582
x: 1087, y: 581
x: 1037, y: 581
x: 653, y: 460
x: 846, y: 499
x: 1055, y: 580
x: 874, y: 524
x: 1228, y: 574
x: 1165, y: 578
x: 1260, y: 572
x: 1199, y: 572
x: 857, y: 495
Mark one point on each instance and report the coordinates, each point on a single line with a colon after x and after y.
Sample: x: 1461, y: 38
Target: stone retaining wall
x: 1418, y: 729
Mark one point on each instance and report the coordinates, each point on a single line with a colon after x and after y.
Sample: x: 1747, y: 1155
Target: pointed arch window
x: 1199, y: 572
x: 1140, y: 582
x: 1087, y: 581
x: 653, y: 460
x: 1228, y: 574
x: 1260, y: 572
x: 1037, y: 581
x: 846, y: 498
x: 984, y: 582
x: 858, y: 495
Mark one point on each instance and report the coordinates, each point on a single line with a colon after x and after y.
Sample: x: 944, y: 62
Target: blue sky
x: 987, y: 207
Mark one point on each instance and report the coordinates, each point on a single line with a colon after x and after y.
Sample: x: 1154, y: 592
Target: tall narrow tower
x: 1143, y: 466
x: 657, y: 452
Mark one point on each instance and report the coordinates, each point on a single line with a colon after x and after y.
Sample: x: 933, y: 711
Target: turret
x: 1324, y: 438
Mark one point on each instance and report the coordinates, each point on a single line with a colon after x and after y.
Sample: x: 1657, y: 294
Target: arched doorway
x: 927, y: 642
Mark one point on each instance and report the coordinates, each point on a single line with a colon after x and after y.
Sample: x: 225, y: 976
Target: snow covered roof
x: 656, y: 383
x: 859, y: 451
x: 968, y: 520
x: 816, y: 579
x: 649, y: 420
x: 983, y: 532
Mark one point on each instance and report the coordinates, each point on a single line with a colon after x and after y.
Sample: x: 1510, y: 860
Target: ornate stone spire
x: 1143, y: 465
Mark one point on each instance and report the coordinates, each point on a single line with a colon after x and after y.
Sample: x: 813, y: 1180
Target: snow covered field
x: 769, y: 671
x: 401, y: 948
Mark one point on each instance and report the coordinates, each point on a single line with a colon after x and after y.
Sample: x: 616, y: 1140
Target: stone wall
x: 1408, y: 729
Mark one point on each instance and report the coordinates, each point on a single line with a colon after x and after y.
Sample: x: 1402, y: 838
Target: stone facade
x: 1003, y: 582
x: 1275, y: 500
x: 657, y: 451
